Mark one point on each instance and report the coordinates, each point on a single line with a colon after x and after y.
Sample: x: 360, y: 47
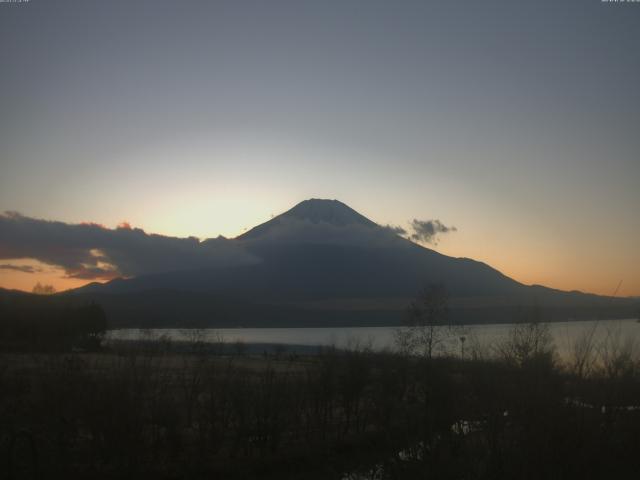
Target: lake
x: 624, y: 333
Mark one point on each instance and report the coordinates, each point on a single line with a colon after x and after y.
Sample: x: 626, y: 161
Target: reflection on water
x: 478, y: 338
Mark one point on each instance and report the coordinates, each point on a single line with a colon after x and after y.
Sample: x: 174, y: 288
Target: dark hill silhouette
x: 320, y: 254
x: 48, y: 322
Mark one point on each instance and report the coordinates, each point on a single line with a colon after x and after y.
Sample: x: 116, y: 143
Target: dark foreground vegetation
x: 46, y: 323
x: 149, y: 411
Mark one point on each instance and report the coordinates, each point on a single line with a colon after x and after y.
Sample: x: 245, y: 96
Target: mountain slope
x: 318, y: 252
x: 323, y: 248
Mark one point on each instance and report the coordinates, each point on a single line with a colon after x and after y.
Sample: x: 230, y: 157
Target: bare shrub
x: 582, y: 359
x: 526, y: 343
x: 617, y: 354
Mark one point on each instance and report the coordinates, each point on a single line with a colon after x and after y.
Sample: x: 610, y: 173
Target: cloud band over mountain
x: 91, y: 251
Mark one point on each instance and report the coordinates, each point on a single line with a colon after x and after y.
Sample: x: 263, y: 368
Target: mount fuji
x: 321, y: 263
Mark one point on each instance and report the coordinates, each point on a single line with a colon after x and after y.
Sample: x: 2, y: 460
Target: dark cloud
x: 396, y: 229
x: 427, y: 230
x: 20, y: 268
x: 91, y: 251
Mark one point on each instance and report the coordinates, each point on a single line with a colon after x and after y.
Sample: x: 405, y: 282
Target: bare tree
x: 427, y: 326
x: 40, y: 289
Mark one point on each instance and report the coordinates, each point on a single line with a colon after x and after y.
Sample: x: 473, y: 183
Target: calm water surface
x: 564, y: 334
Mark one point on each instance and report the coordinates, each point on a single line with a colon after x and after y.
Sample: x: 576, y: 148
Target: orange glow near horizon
x: 43, y: 273
x: 557, y: 268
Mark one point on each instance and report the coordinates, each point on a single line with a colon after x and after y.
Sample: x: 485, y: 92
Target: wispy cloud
x: 20, y: 268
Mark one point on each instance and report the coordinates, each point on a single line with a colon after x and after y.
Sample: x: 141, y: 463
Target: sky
x: 515, y: 122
